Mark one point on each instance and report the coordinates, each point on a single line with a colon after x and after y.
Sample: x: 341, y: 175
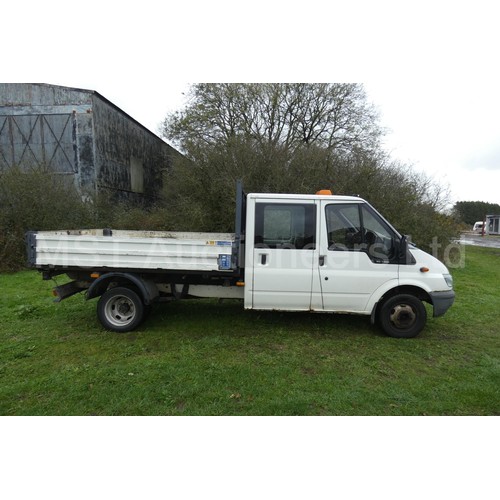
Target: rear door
x: 284, y: 254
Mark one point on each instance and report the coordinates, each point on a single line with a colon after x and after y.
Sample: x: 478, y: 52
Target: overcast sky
x: 430, y: 68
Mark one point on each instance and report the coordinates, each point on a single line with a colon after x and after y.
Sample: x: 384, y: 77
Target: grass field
x: 210, y: 358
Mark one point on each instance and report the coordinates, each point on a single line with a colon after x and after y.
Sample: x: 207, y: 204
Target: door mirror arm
x: 404, y: 254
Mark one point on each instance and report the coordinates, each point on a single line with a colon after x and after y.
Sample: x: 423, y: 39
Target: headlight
x: 449, y: 279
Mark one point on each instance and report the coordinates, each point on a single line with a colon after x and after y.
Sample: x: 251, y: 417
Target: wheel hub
x: 120, y: 311
x: 403, y: 316
x: 123, y: 307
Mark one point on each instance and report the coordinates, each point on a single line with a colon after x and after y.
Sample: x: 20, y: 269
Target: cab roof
x: 282, y: 196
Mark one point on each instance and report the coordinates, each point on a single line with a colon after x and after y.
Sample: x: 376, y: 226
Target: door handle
x: 263, y: 259
x: 322, y: 260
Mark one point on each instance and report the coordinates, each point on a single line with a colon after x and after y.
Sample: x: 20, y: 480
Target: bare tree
x: 335, y: 116
x: 290, y: 137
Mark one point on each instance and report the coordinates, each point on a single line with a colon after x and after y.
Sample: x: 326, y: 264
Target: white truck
x: 289, y: 252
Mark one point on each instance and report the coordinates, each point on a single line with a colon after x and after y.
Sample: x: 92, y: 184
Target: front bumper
x: 442, y: 301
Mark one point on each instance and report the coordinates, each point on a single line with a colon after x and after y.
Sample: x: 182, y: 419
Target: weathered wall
x: 130, y: 158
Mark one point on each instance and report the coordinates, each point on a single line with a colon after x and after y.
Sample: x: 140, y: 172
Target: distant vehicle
x: 478, y: 227
x: 289, y: 252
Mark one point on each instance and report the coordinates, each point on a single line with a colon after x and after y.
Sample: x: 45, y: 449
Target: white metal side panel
x: 132, y: 253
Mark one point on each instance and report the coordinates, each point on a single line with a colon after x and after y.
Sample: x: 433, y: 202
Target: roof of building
x: 79, y: 90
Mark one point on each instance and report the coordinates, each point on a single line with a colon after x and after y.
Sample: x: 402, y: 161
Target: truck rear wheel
x: 402, y: 316
x: 120, y: 309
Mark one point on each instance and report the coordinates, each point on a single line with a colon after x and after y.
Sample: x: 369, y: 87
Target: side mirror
x: 403, y: 248
x: 404, y: 254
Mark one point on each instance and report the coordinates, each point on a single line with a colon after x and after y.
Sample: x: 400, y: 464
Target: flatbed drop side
x: 289, y: 252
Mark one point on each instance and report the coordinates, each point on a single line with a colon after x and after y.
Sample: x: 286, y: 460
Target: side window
x: 285, y: 225
x: 343, y: 222
x: 356, y: 227
x: 379, y: 239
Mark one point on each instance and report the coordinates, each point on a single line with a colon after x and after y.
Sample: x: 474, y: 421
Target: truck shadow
x: 204, y: 317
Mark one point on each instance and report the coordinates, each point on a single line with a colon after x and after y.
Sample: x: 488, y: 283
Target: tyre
x: 402, y: 316
x: 120, y: 310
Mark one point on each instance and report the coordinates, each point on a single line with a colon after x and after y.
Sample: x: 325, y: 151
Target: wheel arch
x: 414, y: 290
x: 147, y: 289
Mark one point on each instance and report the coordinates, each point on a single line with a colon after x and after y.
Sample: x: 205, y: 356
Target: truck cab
x: 328, y: 253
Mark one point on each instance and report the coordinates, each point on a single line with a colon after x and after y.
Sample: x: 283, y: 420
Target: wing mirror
x: 404, y: 254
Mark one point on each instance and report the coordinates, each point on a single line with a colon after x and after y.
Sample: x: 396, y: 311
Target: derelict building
x: 80, y: 134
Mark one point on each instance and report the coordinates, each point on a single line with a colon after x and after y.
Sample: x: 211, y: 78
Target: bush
x: 200, y: 196
x: 35, y: 199
x: 200, y: 191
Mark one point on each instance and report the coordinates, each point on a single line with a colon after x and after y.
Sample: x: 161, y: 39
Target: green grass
x: 210, y: 358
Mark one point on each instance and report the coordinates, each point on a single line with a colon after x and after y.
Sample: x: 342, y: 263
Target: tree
x: 276, y: 137
x: 290, y: 138
x: 470, y: 212
x: 288, y: 115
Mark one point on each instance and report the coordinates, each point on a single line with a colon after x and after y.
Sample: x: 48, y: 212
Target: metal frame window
x: 285, y: 226
x: 357, y: 227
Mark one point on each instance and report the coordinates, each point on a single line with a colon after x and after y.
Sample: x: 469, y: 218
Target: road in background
x: 479, y: 241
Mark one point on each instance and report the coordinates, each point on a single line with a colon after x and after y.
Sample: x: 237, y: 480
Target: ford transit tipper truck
x: 289, y: 252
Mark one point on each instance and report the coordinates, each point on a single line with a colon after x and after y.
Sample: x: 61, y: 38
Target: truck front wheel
x: 120, y: 310
x: 402, y: 316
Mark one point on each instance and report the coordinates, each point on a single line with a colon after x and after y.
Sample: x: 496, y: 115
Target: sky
x: 430, y: 69
x: 449, y: 131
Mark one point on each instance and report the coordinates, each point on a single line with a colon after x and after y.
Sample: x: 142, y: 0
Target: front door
x: 284, y: 255
x: 357, y: 255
